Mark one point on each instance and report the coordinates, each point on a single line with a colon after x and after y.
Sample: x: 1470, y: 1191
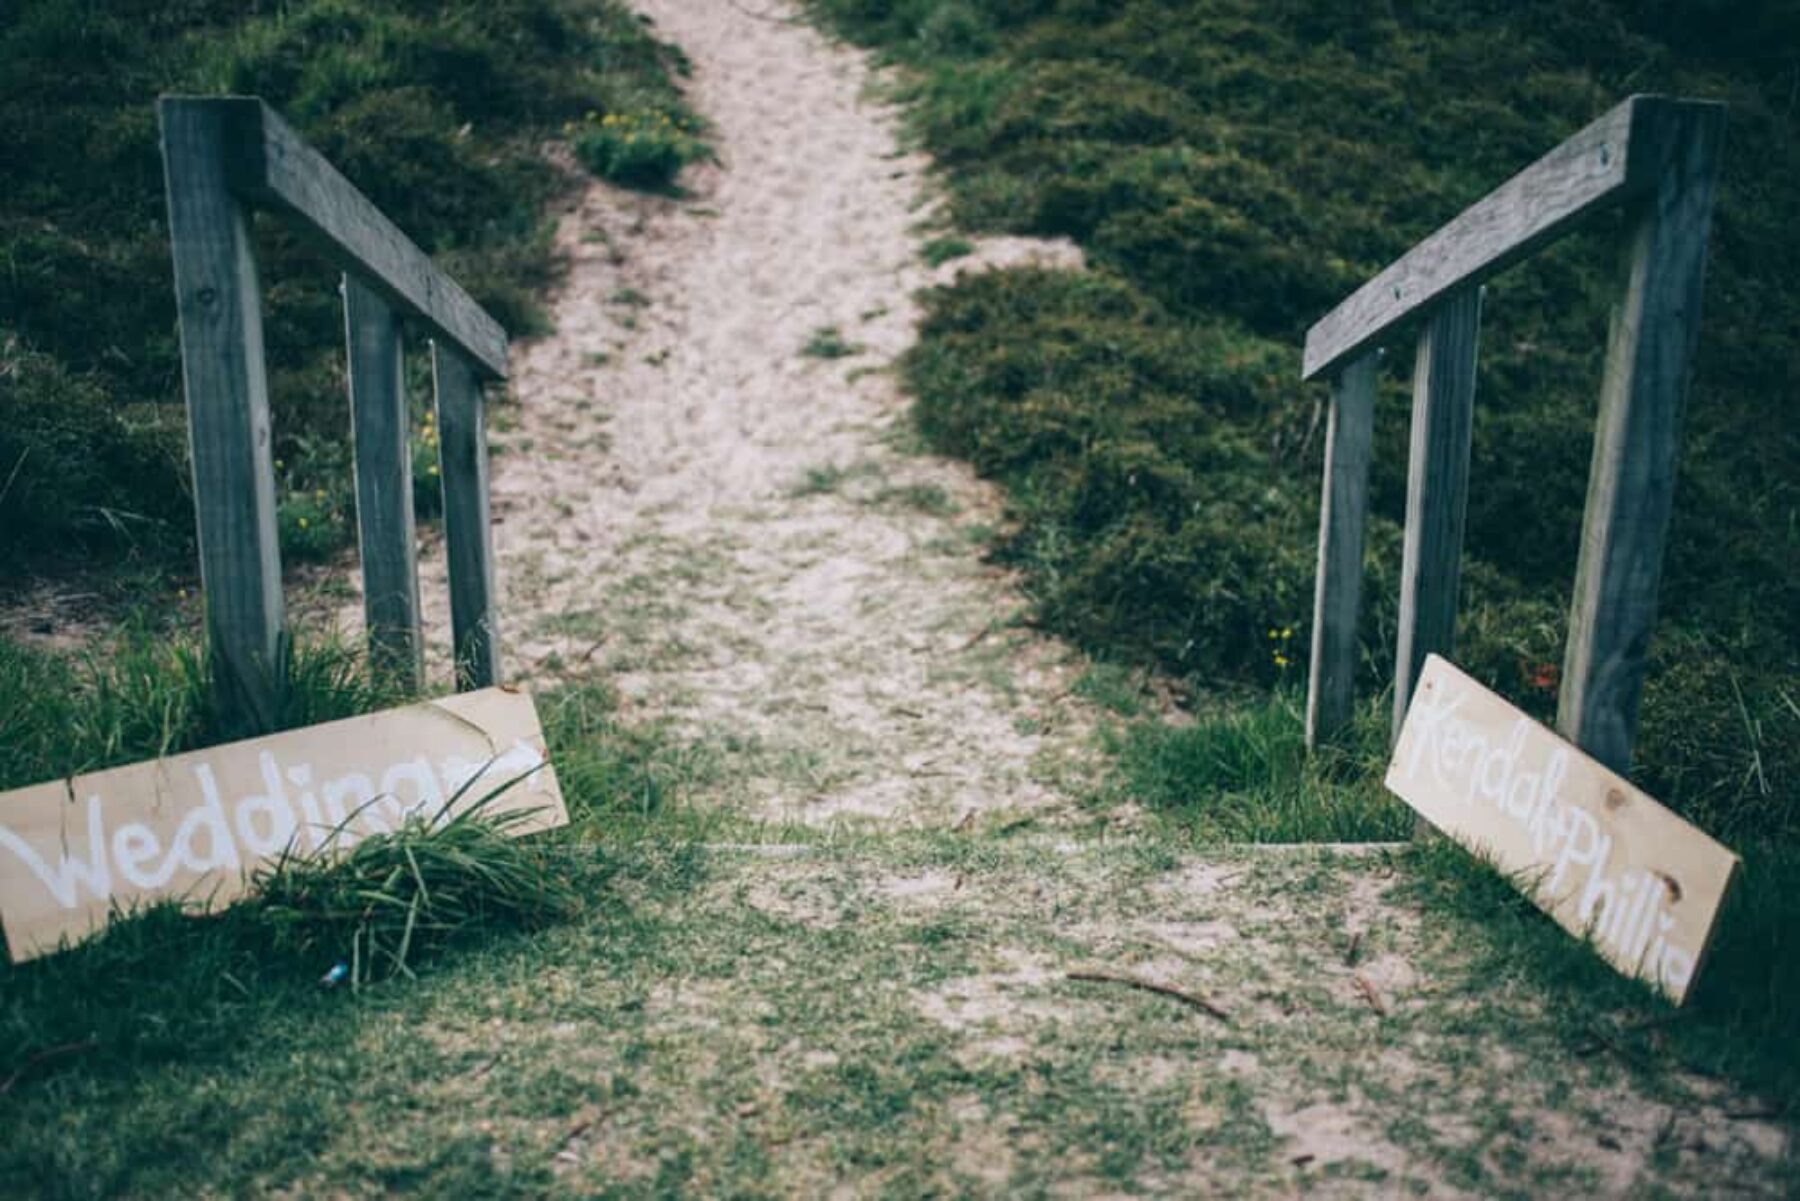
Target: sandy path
x: 735, y: 531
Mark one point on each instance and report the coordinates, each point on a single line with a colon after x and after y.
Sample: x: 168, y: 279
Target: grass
x: 162, y: 987
x: 437, y: 112
x: 873, y: 1015
x: 1243, y: 775
x: 644, y: 150
x: 1231, y: 170
x: 938, y: 251
x: 828, y: 342
x: 146, y: 694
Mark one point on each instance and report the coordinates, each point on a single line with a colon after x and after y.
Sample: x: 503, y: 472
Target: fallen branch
x: 987, y: 629
x: 1192, y: 1000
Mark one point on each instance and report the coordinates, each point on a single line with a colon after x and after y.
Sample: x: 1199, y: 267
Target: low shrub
x: 643, y: 150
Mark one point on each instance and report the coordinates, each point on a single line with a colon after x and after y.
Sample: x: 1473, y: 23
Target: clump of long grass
x: 395, y: 897
x: 144, y: 693
x: 1244, y: 775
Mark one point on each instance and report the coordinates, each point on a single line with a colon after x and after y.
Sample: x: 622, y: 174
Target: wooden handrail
x: 223, y: 156
x: 1619, y: 156
x: 268, y: 164
x: 1656, y: 156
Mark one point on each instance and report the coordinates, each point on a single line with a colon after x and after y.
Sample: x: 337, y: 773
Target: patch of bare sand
x: 729, y: 526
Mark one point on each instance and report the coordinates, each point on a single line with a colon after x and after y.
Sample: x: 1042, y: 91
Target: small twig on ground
x: 1192, y: 1000
x: 904, y: 712
x: 39, y: 1058
x: 985, y: 630
x: 1370, y: 995
x: 1354, y: 949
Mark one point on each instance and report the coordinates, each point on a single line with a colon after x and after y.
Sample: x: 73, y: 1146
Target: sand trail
x: 734, y: 530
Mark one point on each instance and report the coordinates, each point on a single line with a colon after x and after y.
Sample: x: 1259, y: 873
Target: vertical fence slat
x: 1631, y: 483
x: 1437, y: 489
x: 1337, y: 590
x: 218, y: 302
x: 462, y: 451
x: 384, y: 500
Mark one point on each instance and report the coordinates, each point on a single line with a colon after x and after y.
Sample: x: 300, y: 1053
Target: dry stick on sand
x: 1192, y: 1000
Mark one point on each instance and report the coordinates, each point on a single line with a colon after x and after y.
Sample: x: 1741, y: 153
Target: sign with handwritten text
x: 1602, y: 858
x: 195, y: 827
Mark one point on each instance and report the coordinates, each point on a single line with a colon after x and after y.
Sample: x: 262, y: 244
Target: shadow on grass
x: 1243, y: 775
x: 1739, y: 1022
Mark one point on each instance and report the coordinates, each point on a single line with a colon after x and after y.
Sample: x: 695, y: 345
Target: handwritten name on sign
x: 1602, y: 858
x: 195, y: 827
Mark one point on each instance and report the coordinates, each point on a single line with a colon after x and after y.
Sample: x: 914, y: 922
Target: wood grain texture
x: 1337, y: 588
x: 463, y: 468
x: 1437, y: 488
x: 1607, y: 162
x: 385, y: 529
x: 1642, y: 398
x: 219, y: 307
x: 1607, y: 862
x: 271, y: 165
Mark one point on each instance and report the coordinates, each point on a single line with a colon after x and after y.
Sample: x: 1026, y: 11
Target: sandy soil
x: 737, y: 531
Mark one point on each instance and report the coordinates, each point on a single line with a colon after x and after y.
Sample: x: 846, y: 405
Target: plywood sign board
x: 195, y: 827
x: 1602, y: 858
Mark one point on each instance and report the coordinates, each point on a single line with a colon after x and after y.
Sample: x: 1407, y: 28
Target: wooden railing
x: 1658, y: 157
x: 224, y: 157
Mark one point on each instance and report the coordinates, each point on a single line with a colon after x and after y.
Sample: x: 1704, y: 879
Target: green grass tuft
x: 1243, y: 775
x: 939, y: 251
x: 828, y: 342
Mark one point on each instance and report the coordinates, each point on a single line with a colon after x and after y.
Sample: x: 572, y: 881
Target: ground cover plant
x: 1232, y: 170
x: 897, y: 1017
x: 438, y: 112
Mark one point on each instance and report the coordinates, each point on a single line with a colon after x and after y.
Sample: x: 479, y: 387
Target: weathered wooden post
x: 386, y: 533
x: 1343, y: 516
x: 220, y: 310
x: 1437, y: 489
x: 1631, y: 484
x: 463, y: 468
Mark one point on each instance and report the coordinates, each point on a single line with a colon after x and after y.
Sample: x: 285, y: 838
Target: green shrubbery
x: 437, y: 111
x: 1233, y: 169
x: 636, y: 149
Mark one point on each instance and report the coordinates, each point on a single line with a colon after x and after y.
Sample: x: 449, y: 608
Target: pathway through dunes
x: 732, y: 527
x: 708, y: 494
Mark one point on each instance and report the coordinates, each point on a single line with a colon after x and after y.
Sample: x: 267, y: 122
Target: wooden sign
x: 195, y: 827
x: 1602, y: 858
